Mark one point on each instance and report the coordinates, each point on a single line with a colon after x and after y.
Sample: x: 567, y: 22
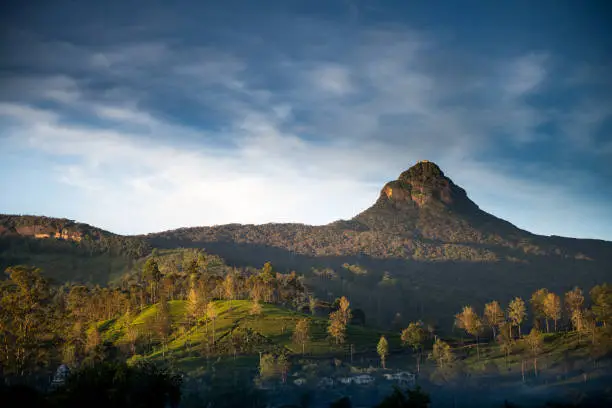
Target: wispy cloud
x: 160, y: 135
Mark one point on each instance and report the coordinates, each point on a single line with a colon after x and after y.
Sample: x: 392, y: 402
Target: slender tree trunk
x: 547, y: 330
x: 477, y: 347
x: 535, y: 366
x: 523, y: 369
x: 519, y: 330
x: 419, y: 363
x: 555, y: 325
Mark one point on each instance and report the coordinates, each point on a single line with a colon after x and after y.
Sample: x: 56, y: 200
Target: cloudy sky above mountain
x: 141, y: 116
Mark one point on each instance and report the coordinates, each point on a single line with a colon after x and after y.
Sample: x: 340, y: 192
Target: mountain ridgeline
x: 421, y: 251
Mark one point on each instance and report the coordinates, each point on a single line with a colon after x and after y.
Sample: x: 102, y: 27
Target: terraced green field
x: 239, y: 335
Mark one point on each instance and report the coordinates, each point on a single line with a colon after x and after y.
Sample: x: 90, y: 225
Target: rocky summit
x: 425, y: 184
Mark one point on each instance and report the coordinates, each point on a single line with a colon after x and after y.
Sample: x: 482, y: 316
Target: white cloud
x: 310, y: 143
x: 525, y: 74
x: 332, y: 79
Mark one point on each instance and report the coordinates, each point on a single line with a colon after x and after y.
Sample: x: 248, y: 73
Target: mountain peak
x: 423, y: 169
x: 425, y: 184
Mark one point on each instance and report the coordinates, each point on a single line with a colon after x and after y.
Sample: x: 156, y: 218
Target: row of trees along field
x: 496, y: 324
x: 503, y: 326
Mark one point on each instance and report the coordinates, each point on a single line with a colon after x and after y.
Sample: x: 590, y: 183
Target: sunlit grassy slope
x: 556, y: 350
x: 272, y: 330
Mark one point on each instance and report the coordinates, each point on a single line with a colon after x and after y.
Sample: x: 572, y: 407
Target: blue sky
x: 141, y: 116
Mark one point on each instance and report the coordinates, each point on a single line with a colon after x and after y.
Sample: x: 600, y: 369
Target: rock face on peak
x: 424, y: 203
x: 425, y: 184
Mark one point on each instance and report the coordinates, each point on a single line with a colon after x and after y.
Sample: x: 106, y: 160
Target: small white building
x: 60, y: 376
x: 299, y: 381
x: 326, y: 382
x: 345, y: 380
x: 402, y: 377
x: 363, y: 379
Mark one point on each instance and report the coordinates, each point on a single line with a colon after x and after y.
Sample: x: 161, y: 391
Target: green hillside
x: 236, y: 329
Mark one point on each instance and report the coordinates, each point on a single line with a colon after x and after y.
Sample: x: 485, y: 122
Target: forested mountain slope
x: 67, y: 250
x: 422, y: 249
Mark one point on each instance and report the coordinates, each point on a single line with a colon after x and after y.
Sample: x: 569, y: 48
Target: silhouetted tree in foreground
x: 105, y: 385
x: 410, y: 399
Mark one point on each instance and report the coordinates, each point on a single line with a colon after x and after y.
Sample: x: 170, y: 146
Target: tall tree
x: 414, y: 336
x: 229, y: 287
x: 574, y: 301
x: 194, y: 305
x: 345, y: 311
x: 469, y: 321
x: 152, y: 276
x: 505, y: 340
x: 383, y: 350
x: 552, y: 308
x: 211, y: 314
x: 267, y: 366
x: 163, y: 324
x: 256, y: 308
x: 516, y: 313
x: 25, y: 319
x: 283, y: 365
x: 601, y: 297
x: 93, y: 346
x: 336, y: 327
x: 301, y: 334
x: 312, y: 303
x: 537, y: 305
x: 493, y: 315
x: 132, y: 334
x: 268, y: 279
x: 442, y: 354
x: 535, y: 342
x: 579, y: 322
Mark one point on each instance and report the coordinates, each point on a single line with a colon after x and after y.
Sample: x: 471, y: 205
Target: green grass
x: 274, y: 327
x: 557, y: 346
